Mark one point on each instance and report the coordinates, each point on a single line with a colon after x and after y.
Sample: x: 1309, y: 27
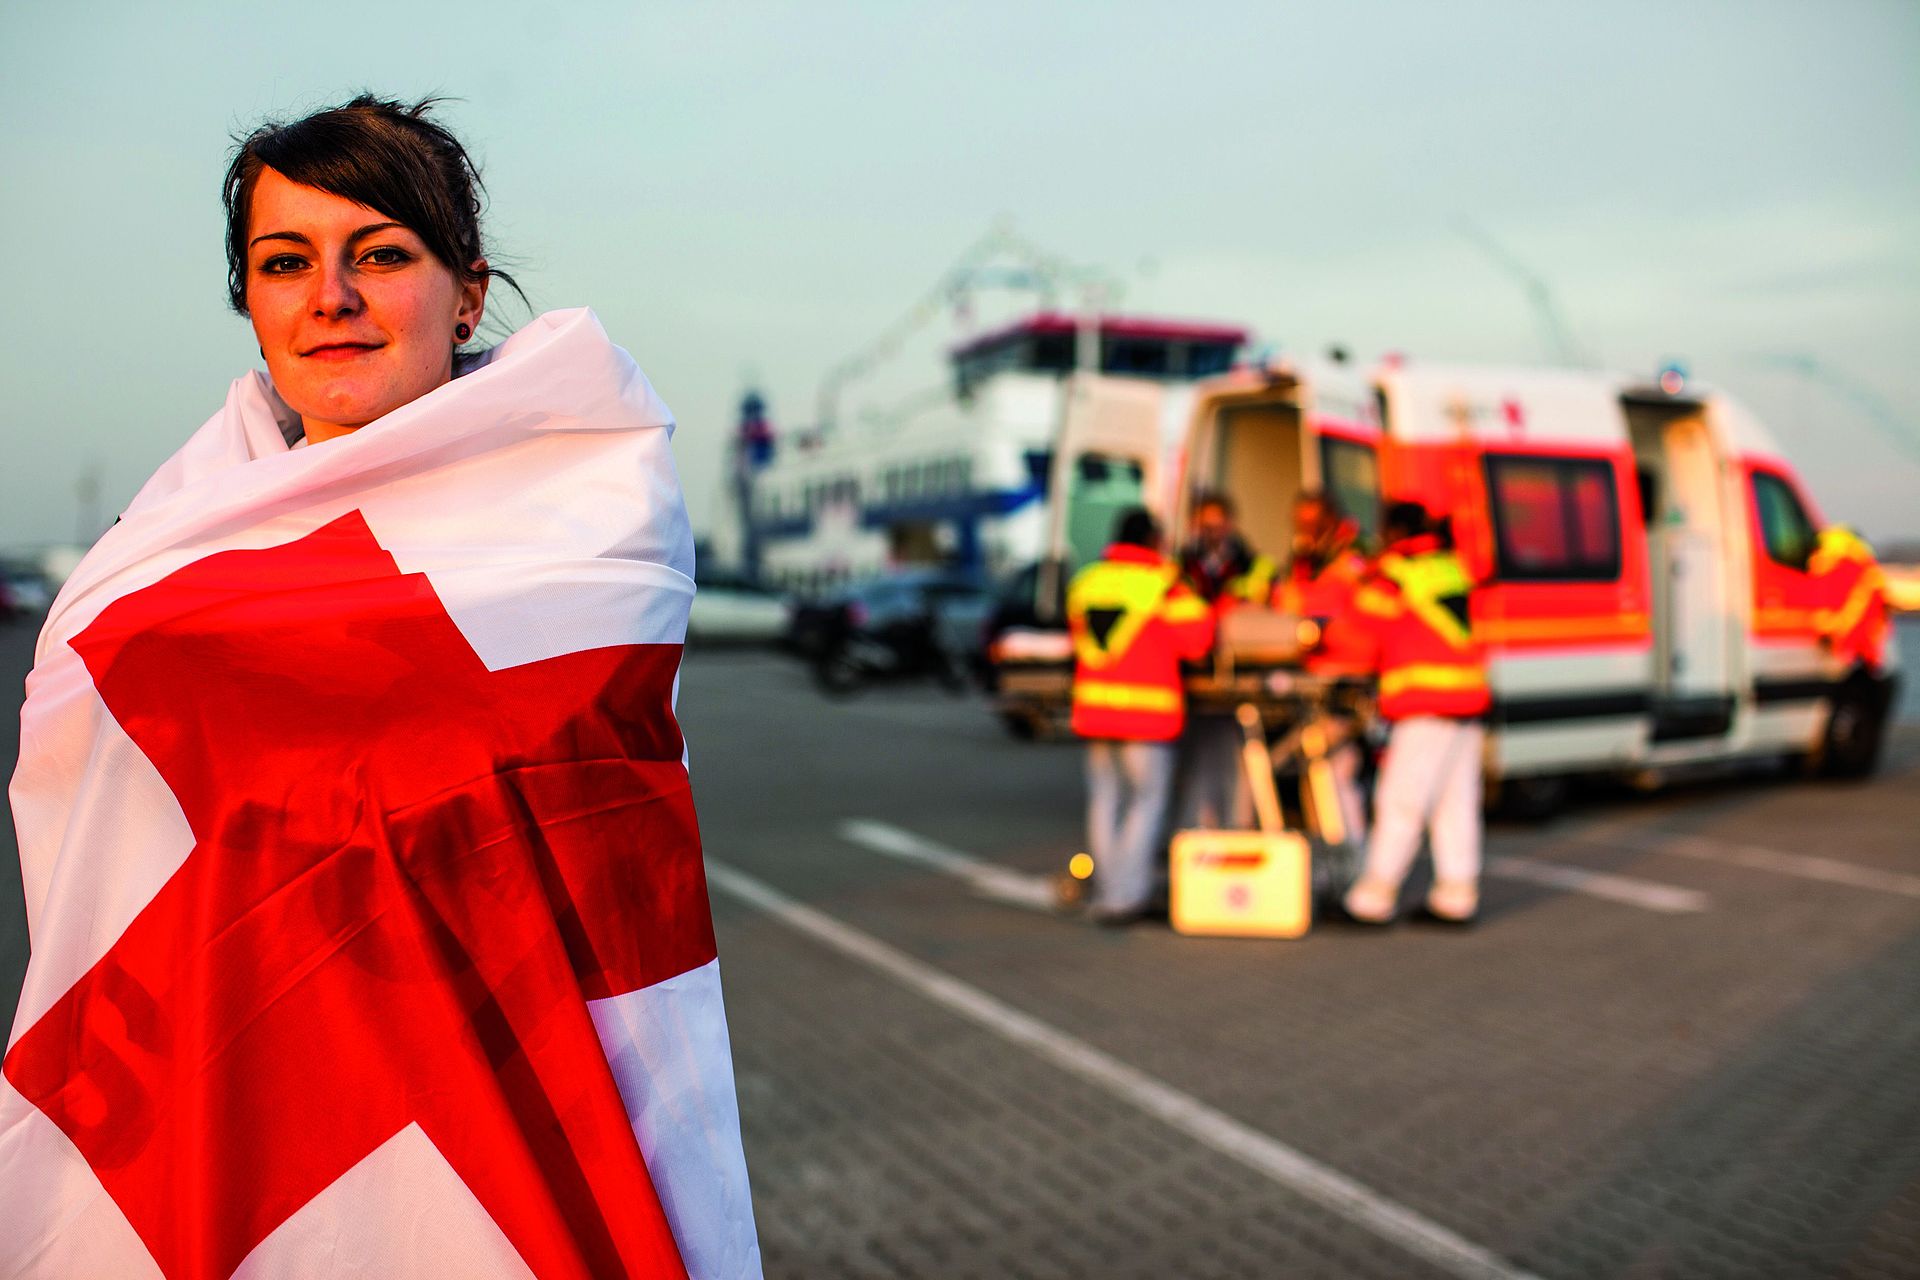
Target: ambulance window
x: 1351, y: 472
x: 1784, y: 525
x: 1554, y: 519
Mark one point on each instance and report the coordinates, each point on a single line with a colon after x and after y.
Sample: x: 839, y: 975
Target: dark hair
x: 1213, y: 498
x: 1137, y: 528
x: 383, y: 154
x: 1319, y: 497
x: 1404, y: 520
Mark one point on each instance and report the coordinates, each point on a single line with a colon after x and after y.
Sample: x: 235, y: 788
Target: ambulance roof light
x: 1673, y: 377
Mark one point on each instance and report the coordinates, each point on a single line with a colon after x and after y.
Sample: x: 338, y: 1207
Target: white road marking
x: 1804, y: 865
x: 983, y: 877
x: 1299, y: 1173
x: 1649, y: 894
x: 1036, y: 892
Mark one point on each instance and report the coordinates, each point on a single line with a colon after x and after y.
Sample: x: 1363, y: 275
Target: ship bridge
x: 1051, y: 342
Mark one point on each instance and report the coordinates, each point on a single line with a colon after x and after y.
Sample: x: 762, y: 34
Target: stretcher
x: 1264, y: 882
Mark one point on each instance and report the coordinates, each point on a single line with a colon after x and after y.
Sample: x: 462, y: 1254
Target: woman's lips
x: 340, y: 351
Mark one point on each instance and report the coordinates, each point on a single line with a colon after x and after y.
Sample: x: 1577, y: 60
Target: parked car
x: 910, y: 623
x: 728, y: 609
x: 25, y: 586
x: 25, y: 589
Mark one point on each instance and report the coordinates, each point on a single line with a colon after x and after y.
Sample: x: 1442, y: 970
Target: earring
x: 462, y: 331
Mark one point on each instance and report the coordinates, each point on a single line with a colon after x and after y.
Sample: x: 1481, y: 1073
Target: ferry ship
x: 962, y: 481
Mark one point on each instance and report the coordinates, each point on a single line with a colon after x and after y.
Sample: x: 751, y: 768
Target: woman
x: 370, y: 933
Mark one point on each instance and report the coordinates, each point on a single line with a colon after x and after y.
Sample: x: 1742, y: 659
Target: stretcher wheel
x: 1069, y: 893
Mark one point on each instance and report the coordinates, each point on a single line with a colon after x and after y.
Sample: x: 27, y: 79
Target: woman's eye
x: 385, y: 256
x: 282, y: 263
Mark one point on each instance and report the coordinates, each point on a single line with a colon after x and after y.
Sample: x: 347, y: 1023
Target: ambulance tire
x: 1856, y: 728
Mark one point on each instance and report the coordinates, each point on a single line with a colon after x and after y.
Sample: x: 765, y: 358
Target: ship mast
x: 1032, y: 269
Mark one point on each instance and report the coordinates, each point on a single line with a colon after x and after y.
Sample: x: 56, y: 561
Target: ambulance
x: 1642, y: 546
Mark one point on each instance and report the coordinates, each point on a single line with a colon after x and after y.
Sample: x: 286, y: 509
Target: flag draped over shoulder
x: 370, y: 932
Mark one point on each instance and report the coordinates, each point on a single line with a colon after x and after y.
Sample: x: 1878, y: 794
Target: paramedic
x: 1326, y: 563
x: 1226, y: 572
x: 1218, y: 561
x: 1851, y: 618
x: 1132, y: 621
x: 1325, y: 569
x: 1411, y: 613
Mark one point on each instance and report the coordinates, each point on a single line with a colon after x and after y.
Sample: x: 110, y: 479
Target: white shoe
x: 1372, y: 901
x: 1454, y: 901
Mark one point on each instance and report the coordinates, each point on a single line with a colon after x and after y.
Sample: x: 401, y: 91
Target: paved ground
x: 1708, y: 1073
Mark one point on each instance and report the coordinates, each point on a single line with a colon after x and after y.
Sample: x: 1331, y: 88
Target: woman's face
x: 353, y: 314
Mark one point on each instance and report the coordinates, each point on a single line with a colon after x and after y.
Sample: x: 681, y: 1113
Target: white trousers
x: 1431, y: 781
x: 1128, y: 787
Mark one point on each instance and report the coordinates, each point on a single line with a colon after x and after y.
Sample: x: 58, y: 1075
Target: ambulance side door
x: 1790, y: 669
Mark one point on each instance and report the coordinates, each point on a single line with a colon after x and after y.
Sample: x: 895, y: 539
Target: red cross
x: 1515, y: 415
x: 410, y: 874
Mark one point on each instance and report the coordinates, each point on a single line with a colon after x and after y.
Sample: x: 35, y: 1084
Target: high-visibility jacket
x: 1851, y: 617
x: 1409, y: 615
x: 1133, y: 622
x: 1234, y: 574
x: 1322, y: 593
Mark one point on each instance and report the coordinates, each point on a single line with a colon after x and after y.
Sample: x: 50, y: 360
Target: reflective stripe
x: 1135, y: 590
x: 1126, y: 697
x: 1837, y: 622
x: 1426, y: 581
x: 1430, y: 675
x: 1380, y: 603
x: 1185, y: 608
x: 1432, y: 573
x: 1836, y: 546
x: 1256, y: 583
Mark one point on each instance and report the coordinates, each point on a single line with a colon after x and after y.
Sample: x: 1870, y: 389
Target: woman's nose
x: 334, y: 291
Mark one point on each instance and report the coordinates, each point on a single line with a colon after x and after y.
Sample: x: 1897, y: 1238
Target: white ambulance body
x: 1644, y: 548
x: 1642, y: 545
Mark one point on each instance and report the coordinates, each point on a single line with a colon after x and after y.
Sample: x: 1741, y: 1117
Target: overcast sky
x: 756, y: 190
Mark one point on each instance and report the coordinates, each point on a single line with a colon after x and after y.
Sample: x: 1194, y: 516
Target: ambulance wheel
x: 1856, y: 728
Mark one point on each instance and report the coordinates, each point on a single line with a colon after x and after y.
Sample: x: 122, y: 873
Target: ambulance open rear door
x: 1106, y: 459
x: 1263, y: 438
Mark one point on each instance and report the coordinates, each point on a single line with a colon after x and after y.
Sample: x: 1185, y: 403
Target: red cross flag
x: 370, y: 932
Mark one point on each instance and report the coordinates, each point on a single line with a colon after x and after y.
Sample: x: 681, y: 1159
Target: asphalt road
x: 1682, y: 1043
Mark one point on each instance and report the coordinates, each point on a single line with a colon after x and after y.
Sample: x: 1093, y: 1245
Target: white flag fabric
x: 369, y: 929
